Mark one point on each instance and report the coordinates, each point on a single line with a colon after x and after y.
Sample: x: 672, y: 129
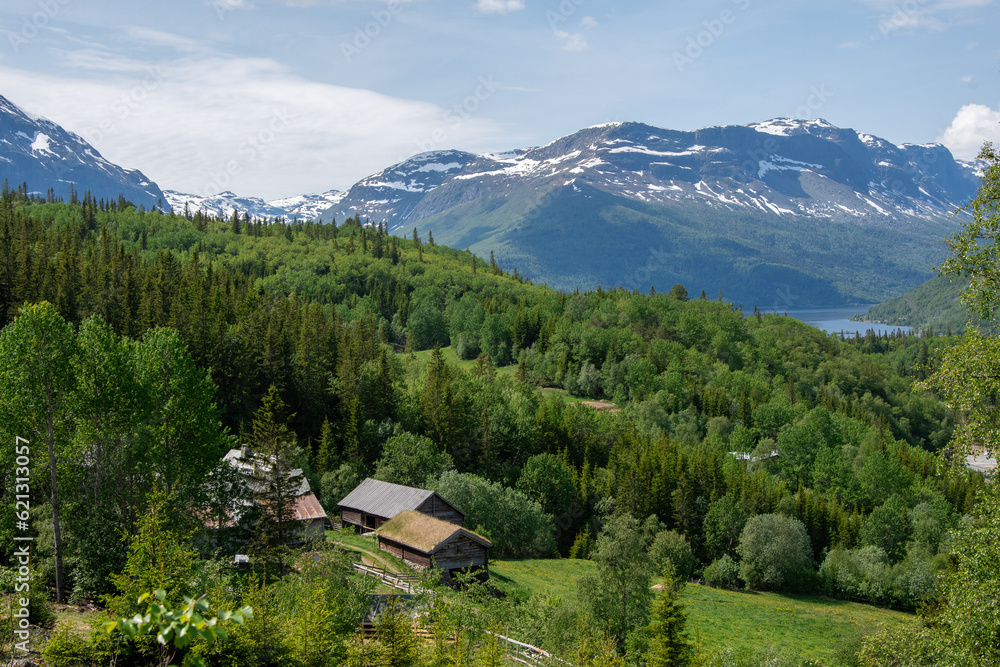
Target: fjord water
x: 835, y: 320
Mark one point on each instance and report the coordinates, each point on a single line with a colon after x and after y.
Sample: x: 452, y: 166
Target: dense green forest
x: 935, y: 306
x: 160, y: 341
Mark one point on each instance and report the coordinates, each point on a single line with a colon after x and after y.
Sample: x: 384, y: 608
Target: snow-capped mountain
x: 300, y: 207
x: 394, y: 193
x: 42, y: 154
x: 780, y: 212
x: 781, y: 167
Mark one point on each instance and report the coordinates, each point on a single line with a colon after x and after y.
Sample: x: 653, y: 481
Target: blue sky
x: 280, y: 97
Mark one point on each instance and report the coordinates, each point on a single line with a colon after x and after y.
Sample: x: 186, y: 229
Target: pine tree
x: 398, y: 644
x: 325, y: 455
x: 670, y: 646
x: 272, y: 442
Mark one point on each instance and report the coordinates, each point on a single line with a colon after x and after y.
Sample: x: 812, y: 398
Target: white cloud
x: 972, y: 125
x: 913, y: 15
x: 588, y: 22
x: 571, y: 41
x: 499, y: 6
x: 208, y: 123
x: 849, y: 45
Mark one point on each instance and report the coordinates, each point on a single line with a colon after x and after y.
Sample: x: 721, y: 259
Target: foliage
x: 969, y: 618
x: 888, y: 528
x: 670, y: 550
x: 177, y: 628
x: 722, y: 572
x: 670, y: 645
x: 411, y: 460
x: 616, y: 596
x: 516, y: 525
x: 775, y: 552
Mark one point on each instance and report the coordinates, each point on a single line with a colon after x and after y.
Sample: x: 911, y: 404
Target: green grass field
x: 805, y: 626
x: 451, y: 357
x: 542, y: 577
x: 421, y: 358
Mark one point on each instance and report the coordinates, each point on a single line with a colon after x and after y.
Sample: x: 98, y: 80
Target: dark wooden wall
x: 436, y: 507
x: 461, y: 552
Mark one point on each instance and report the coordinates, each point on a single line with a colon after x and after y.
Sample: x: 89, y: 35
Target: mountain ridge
x: 758, y: 210
x: 39, y: 152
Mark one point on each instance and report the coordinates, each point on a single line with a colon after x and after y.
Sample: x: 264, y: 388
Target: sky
x: 274, y: 98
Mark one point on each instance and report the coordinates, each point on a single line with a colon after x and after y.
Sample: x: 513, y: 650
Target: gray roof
x: 384, y: 499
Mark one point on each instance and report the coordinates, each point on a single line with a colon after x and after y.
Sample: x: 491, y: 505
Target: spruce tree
x: 669, y: 645
x: 272, y: 443
x: 325, y: 454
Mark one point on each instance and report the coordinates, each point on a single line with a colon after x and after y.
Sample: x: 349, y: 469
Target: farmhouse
x: 255, y: 469
x: 373, y: 503
x: 427, y: 542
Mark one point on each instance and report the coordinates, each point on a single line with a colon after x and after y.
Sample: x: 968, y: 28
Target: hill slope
x: 935, y: 304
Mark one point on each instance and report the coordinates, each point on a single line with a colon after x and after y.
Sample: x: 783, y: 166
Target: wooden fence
x: 403, y: 582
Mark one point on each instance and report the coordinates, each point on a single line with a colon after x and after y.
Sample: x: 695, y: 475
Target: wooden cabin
x: 426, y: 542
x: 373, y: 503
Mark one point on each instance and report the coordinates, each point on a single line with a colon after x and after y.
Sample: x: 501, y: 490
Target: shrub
x: 669, y: 546
x: 723, y: 572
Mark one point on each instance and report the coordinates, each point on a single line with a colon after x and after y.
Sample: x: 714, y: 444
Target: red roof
x: 307, y: 508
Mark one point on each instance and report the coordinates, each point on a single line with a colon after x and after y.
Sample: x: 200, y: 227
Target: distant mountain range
x: 784, y: 213
x: 301, y: 207
x: 42, y: 154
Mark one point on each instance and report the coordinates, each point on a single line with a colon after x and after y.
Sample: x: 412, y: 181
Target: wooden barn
x: 372, y: 503
x: 427, y: 542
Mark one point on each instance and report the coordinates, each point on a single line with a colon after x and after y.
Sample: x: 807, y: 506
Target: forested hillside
x: 935, y: 306
x: 726, y: 427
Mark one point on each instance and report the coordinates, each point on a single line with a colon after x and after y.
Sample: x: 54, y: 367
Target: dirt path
x: 369, y: 557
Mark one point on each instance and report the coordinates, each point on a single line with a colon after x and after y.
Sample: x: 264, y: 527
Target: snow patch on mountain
x: 223, y: 204
x: 46, y: 156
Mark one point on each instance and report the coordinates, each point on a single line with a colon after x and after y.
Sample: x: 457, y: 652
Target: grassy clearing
x: 543, y: 577
x: 805, y: 626
x: 451, y: 357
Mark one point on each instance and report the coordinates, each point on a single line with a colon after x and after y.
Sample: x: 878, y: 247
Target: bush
x: 669, y: 546
x: 776, y: 552
x: 66, y: 648
x: 722, y: 573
